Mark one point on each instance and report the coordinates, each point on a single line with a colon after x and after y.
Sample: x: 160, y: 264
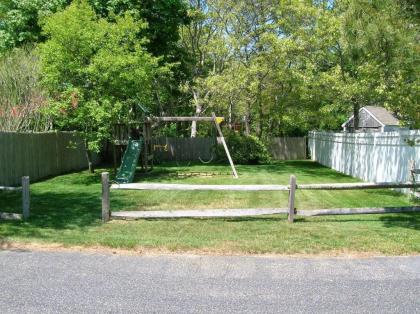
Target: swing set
x: 172, y: 149
x: 143, y: 147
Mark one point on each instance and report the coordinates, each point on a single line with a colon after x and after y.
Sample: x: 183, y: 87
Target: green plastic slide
x: 129, y: 161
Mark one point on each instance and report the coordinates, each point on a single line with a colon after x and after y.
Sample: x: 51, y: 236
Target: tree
x: 200, y: 39
x: 19, y: 20
x: 95, y: 70
x: 20, y: 24
x: 286, y: 66
x: 294, y: 66
x: 374, y: 52
x: 262, y: 66
x: 164, y: 18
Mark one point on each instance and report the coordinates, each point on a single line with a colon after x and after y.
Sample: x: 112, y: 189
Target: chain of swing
x: 179, y: 157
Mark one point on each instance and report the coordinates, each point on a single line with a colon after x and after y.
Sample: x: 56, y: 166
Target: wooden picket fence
x: 183, y: 149
x: 288, y: 148
x: 194, y: 149
x: 39, y: 155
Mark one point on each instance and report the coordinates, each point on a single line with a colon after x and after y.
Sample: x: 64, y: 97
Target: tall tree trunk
x: 198, y: 109
x: 260, y: 124
x: 356, y: 120
x: 89, y: 158
x: 230, y: 113
x: 246, y: 120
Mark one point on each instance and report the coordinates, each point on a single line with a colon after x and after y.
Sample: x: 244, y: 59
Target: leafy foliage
x: 278, y: 68
x: 163, y: 18
x: 244, y: 149
x: 289, y: 67
x: 95, y: 70
x: 20, y: 20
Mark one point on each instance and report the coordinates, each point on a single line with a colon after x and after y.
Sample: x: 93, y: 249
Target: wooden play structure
x: 136, y: 140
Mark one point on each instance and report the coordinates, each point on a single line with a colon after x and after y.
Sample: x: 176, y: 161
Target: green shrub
x: 244, y: 150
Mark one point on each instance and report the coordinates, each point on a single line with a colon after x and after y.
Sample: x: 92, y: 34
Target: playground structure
x: 142, y: 148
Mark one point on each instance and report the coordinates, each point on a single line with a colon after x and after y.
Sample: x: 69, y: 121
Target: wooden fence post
x: 412, y: 176
x: 292, y: 198
x: 411, y: 169
x: 25, y: 197
x: 106, y: 210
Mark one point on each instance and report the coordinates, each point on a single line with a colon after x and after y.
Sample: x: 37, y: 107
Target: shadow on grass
x: 63, y: 211
x: 11, y: 202
x: 89, y: 179
x: 399, y: 220
x: 404, y: 220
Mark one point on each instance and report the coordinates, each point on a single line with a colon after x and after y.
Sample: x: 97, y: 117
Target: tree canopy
x: 95, y: 70
x: 275, y: 67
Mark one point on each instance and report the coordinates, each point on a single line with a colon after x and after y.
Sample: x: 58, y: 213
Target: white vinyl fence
x: 373, y: 157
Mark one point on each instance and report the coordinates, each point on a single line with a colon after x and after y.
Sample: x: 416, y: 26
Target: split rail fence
x: 291, y: 210
x: 25, y: 188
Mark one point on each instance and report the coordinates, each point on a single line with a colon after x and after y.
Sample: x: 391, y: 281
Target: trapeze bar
x: 182, y: 119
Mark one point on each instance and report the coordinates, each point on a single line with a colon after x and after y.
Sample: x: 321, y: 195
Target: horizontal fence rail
x: 291, y: 210
x: 356, y: 186
x: 203, y: 213
x: 10, y: 188
x: 197, y: 187
x: 259, y: 187
x: 10, y: 216
x: 357, y: 211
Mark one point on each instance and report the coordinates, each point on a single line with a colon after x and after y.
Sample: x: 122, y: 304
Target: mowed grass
x: 66, y: 210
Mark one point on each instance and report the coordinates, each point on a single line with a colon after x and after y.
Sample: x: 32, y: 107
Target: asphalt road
x: 63, y: 282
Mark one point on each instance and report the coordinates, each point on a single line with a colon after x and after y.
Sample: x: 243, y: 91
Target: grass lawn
x: 66, y: 210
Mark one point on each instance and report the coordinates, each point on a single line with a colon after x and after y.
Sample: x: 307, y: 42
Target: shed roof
x: 380, y: 114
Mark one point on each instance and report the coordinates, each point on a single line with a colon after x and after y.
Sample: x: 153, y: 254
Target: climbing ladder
x: 129, y: 162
